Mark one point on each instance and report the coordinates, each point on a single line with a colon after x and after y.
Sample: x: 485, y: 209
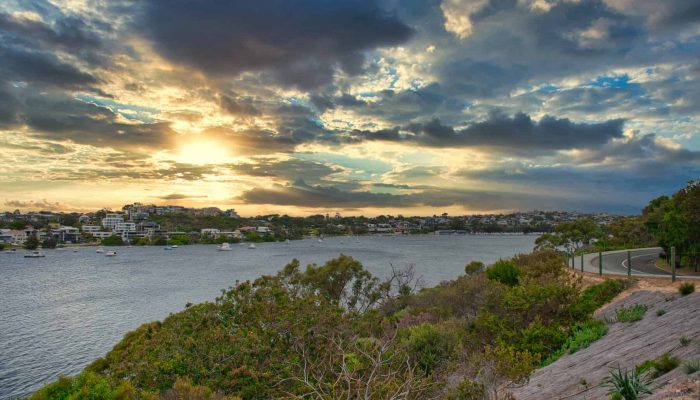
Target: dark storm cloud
x: 68, y: 32
x: 44, y: 68
x: 516, y: 134
x: 238, y: 106
x: 180, y: 196
x: 56, y: 117
x: 289, y: 170
x: 299, y: 42
x: 304, y: 195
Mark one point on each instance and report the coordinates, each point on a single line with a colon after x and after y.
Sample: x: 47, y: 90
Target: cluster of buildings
x: 134, y: 222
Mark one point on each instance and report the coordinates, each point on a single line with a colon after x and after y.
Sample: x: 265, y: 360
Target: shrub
x: 504, y: 272
x: 660, y: 312
x: 685, y: 340
x: 582, y: 337
x: 630, y: 314
x: 628, y: 385
x: 467, y: 390
x: 474, y: 267
x: 429, y: 345
x: 666, y: 363
x: 113, y: 240
x: 596, y: 296
x: 686, y: 288
x: 691, y: 367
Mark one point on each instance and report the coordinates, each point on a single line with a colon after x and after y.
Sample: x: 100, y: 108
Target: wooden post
x: 629, y: 263
x: 673, y: 264
x: 581, y: 262
x: 600, y: 263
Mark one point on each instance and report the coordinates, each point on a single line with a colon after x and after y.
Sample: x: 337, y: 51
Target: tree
x: 114, y: 240
x: 49, y: 243
x: 31, y: 243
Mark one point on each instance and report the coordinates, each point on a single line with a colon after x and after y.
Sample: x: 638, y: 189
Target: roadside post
x: 581, y: 262
x: 673, y: 264
x: 629, y: 264
x: 600, y: 263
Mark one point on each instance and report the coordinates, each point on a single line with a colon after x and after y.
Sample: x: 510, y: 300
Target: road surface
x: 615, y: 262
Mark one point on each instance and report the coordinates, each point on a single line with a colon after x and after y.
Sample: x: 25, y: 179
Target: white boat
x: 225, y: 247
x: 251, y: 246
x: 100, y: 250
x: 110, y: 253
x: 174, y: 246
x: 34, y: 254
x: 320, y: 240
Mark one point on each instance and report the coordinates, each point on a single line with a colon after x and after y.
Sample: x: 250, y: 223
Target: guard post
x: 629, y: 264
x: 600, y: 263
x: 673, y: 264
x: 581, y: 262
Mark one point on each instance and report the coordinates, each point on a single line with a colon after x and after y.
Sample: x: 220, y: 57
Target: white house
x: 91, y: 228
x: 211, y: 232
x: 111, y: 220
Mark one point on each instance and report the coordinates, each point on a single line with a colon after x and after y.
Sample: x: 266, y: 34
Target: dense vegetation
x: 335, y: 331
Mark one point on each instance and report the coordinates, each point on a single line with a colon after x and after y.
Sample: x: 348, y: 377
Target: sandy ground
x: 579, y: 375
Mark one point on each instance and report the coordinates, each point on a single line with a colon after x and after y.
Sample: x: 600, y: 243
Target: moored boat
x: 110, y: 253
x: 225, y: 247
x: 34, y: 254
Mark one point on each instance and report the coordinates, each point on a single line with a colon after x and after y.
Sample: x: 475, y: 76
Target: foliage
x: 429, y: 344
x: 86, y: 385
x: 572, y: 235
x: 114, y: 240
x: 504, y: 272
x: 474, y: 267
x: 596, y: 296
x: 179, y: 240
x: 625, y: 384
x: 49, y: 243
x: 467, y: 389
x: 691, y: 367
x: 685, y: 341
x: 666, y: 363
x: 31, y: 243
x: 583, y: 336
x: 336, y: 331
x: 632, y: 313
x: 686, y: 288
x: 675, y: 222
x: 660, y: 312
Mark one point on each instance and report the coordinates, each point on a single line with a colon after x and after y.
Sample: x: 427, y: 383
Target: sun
x: 202, y: 152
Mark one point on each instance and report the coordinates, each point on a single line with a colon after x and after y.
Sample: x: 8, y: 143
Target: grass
x: 666, y: 363
x: 630, y: 314
x: 685, y: 340
x: 581, y: 338
x: 686, y: 288
x: 691, y: 366
x: 627, y: 385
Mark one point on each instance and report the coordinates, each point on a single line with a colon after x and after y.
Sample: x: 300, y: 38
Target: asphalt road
x: 643, y: 261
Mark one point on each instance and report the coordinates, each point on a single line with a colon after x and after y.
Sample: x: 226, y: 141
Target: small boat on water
x: 225, y: 247
x: 100, y: 250
x: 34, y: 254
x: 251, y: 246
x: 167, y: 248
x: 174, y: 246
x: 110, y: 253
x: 75, y: 250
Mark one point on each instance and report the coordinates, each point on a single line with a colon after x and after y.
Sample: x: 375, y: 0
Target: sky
x: 413, y: 107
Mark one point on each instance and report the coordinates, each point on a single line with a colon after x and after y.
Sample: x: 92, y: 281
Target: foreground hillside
x: 668, y: 334
x: 335, y: 331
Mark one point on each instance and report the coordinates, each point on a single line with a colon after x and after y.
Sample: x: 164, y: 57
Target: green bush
x: 86, y: 385
x: 628, y: 385
x: 582, y: 337
x: 503, y: 271
x: 113, y: 240
x: 630, y: 314
x: 474, y: 267
x: 686, y: 288
x: 666, y: 363
x: 691, y: 367
x: 429, y: 345
x: 660, y: 312
x: 685, y: 340
x: 467, y: 390
x: 596, y: 296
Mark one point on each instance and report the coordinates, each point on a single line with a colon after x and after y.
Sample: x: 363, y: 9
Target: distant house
x: 111, y: 220
x: 211, y: 232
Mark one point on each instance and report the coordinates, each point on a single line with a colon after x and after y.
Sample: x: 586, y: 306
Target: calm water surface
x: 59, y: 313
